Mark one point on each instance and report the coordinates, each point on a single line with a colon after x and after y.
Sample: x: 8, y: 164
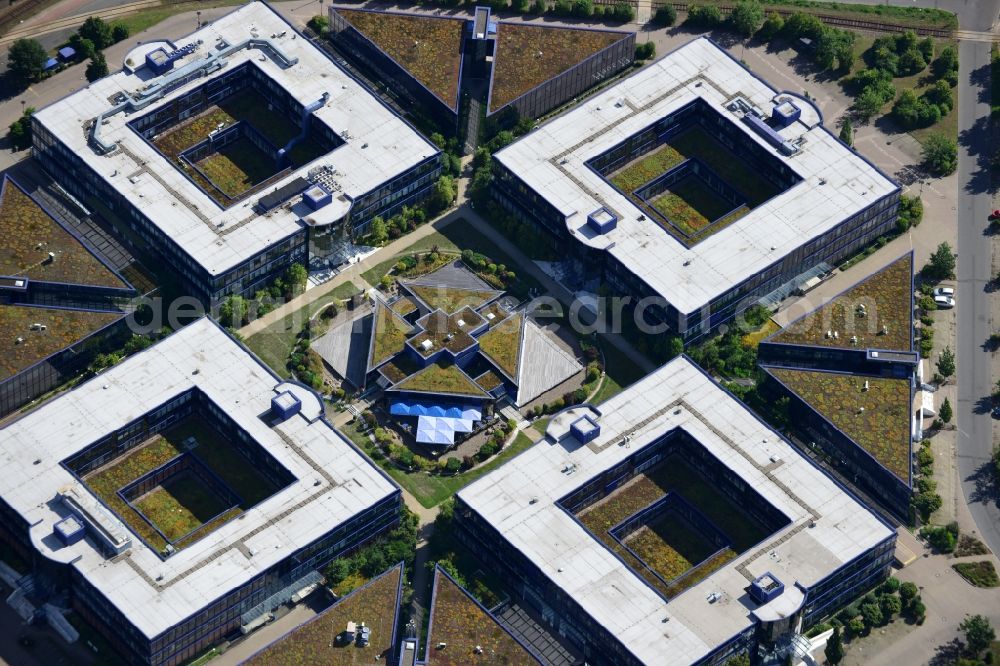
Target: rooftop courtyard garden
x: 528, y: 55
x: 389, y: 332
x: 429, y: 48
x: 672, y: 546
x: 446, y: 331
x: 887, y: 298
x: 376, y: 604
x: 441, y: 378
x: 690, y: 209
x: 62, y: 329
x: 30, y: 234
x: 450, y: 299
x: 183, y: 504
x: 877, y: 419
x: 460, y: 624
x: 502, y: 344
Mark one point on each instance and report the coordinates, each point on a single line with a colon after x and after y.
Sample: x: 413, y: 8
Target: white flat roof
x: 333, y: 481
x: 379, y: 145
x: 551, y: 161
x: 519, y: 500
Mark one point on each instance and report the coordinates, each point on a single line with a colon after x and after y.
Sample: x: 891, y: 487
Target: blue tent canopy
x: 51, y: 63
x: 403, y: 408
x: 67, y: 52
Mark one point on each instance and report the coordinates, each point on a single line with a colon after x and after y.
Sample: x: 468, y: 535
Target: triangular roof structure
x: 62, y: 328
x: 450, y: 299
x: 502, y: 344
x: 428, y: 47
x: 529, y: 55
x: 376, y: 603
x: 36, y: 246
x: 471, y: 635
x: 887, y: 300
x: 389, y: 333
x: 877, y: 418
x: 441, y: 379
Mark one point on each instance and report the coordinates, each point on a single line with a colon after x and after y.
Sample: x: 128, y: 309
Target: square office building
x: 711, y: 189
x: 234, y: 152
x: 668, y: 525
x: 183, y: 495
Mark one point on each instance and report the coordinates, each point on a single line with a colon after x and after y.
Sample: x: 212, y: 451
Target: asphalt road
x: 975, y: 427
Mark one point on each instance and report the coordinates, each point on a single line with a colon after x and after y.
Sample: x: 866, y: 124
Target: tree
x: 835, y: 647
x: 800, y: 25
x: 847, y: 132
x: 868, y: 104
x: 940, y: 154
x: 97, y: 31
x: 771, y: 27
x: 945, y: 412
x: 119, y: 32
x: 942, y: 263
x: 856, y: 626
x: 97, y: 68
x: 645, y: 51
x: 665, y: 15
x: 946, y: 63
x: 296, y: 276
x: 379, y: 232
x: 946, y: 362
x: 20, y: 130
x: 443, y: 194
x: 911, y: 62
x: 233, y: 311
x: 835, y: 47
x: 703, y: 16
x: 747, y: 17
x: 978, y: 633
x: 84, y: 47
x: 908, y: 592
x: 26, y: 59
x: 539, y: 7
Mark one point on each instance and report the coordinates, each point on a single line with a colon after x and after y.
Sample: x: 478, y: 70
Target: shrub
x: 538, y: 7
x: 583, y: 8
x: 890, y: 605
x: 940, y: 538
x: 872, y: 614
x: 856, y: 626
x: 645, y: 51
x: 908, y: 592
x: 835, y: 47
x: 623, y: 13
x: 319, y: 24
x: 665, y: 15
x: 926, y: 504
x: 486, y: 450
x: 453, y: 465
x: 891, y: 585
x: 119, y: 32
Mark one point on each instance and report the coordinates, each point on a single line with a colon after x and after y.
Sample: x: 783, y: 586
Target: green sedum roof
x: 439, y: 378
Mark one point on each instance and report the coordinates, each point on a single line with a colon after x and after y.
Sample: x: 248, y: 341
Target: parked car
x: 944, y: 302
x: 944, y: 291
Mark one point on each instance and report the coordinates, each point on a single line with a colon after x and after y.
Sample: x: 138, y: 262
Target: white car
x: 944, y: 302
x: 945, y: 291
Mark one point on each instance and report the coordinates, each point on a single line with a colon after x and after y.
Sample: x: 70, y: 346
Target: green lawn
x: 690, y: 205
x: 237, y: 167
x: 979, y: 574
x: 431, y: 490
x: 275, y: 343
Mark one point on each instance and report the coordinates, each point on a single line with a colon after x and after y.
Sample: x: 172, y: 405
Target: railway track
x: 75, y: 21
